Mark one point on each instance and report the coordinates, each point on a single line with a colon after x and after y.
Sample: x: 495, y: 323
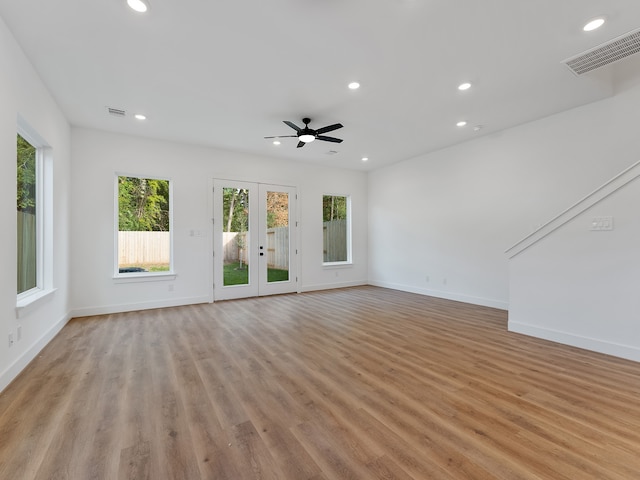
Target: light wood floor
x: 360, y: 383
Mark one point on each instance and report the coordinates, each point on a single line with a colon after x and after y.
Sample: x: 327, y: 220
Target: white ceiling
x: 227, y: 73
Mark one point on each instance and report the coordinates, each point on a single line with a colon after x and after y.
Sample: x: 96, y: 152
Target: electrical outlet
x: 19, y: 333
x: 171, y: 288
x: 444, y: 281
x: 427, y: 278
x: 10, y: 340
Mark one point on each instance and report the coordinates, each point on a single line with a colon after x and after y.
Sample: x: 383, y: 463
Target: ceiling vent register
x: 118, y: 112
x: 605, y: 54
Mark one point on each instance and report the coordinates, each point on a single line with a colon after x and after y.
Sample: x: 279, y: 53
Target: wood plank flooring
x: 358, y: 383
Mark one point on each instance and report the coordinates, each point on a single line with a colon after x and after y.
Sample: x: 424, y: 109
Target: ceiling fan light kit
x: 306, y: 138
x: 306, y: 135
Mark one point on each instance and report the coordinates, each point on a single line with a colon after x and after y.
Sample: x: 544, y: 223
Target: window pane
x: 334, y: 216
x: 144, y: 238
x: 235, y: 235
x: 277, y: 236
x: 26, y: 202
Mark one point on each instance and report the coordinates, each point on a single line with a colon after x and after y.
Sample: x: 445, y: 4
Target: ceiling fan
x: 306, y: 134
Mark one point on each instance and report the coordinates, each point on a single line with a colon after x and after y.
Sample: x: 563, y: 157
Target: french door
x: 254, y: 239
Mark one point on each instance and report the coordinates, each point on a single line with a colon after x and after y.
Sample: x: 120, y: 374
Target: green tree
x: 143, y: 204
x: 236, y: 209
x: 26, y: 193
x: 334, y: 208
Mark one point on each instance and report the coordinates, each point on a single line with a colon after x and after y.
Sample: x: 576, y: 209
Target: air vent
x: 604, y: 54
x: 118, y: 112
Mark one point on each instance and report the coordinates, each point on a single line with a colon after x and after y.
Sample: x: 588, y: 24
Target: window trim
x: 136, y: 277
x: 28, y: 303
x: 44, y: 220
x: 349, y: 260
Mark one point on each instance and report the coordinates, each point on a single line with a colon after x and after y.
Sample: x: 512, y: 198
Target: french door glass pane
x: 235, y: 236
x: 277, y: 237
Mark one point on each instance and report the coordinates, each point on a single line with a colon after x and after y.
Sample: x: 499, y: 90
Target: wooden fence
x: 27, y: 274
x: 149, y: 248
x: 144, y: 248
x: 276, y: 248
x: 234, y: 245
x: 335, y: 241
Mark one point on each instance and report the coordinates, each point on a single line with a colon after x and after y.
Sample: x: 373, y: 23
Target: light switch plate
x: 602, y: 223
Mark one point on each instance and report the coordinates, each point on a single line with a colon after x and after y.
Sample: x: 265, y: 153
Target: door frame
x: 258, y: 285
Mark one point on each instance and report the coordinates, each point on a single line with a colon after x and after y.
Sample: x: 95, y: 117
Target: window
x: 144, y: 226
x: 34, y: 219
x: 28, y: 215
x: 336, y: 218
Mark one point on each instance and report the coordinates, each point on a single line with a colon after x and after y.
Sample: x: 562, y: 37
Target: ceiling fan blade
x: 292, y: 125
x: 329, y: 139
x: 329, y: 128
x: 283, y: 136
x: 301, y: 144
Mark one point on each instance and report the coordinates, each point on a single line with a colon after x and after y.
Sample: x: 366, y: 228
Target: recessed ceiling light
x: 140, y: 116
x: 477, y: 128
x: 138, y: 5
x: 354, y: 85
x: 593, y: 24
x: 364, y: 159
x: 276, y: 142
x: 464, y: 86
x: 461, y: 124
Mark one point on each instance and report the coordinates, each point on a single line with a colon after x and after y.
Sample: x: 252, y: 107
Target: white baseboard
x: 330, y: 286
x: 617, y: 350
x: 458, y: 297
x: 130, y: 307
x: 23, y: 360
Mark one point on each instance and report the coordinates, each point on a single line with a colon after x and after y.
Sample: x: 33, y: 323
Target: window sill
x: 144, y: 277
x: 30, y: 302
x: 332, y: 265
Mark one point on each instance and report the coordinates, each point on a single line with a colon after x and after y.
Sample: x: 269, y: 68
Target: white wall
x: 453, y: 213
x: 448, y: 215
x: 97, y: 156
x: 580, y: 287
x: 22, y: 93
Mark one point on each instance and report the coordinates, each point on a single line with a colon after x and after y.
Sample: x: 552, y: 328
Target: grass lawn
x: 234, y: 275
x: 149, y: 267
x: 276, y: 275
x: 158, y: 268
